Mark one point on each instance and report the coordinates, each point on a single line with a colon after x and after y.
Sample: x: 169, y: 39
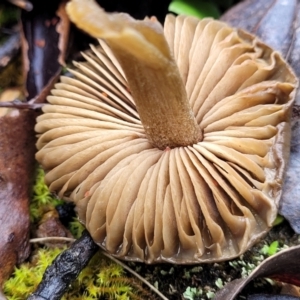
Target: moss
x: 42, y: 200
x: 26, y: 278
x: 76, y: 228
x: 100, y: 278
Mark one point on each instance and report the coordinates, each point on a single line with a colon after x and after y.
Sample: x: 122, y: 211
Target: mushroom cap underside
x: 206, y: 202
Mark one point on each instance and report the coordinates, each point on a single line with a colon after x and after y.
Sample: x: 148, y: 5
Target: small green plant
x: 279, y: 219
x: 245, y: 267
x: 198, y: 293
x: 191, y: 293
x: 219, y: 283
x: 270, y: 249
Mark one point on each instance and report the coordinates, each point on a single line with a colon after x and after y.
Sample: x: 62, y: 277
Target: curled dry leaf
x: 148, y: 188
x: 44, y: 42
x: 284, y: 266
x: 261, y: 18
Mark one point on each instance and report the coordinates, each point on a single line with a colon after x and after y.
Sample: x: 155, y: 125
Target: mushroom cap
x: 201, y: 203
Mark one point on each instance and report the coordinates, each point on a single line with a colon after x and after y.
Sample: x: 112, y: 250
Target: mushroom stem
x: 152, y: 74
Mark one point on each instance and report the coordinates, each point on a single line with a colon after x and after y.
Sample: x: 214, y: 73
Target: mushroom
x: 172, y: 142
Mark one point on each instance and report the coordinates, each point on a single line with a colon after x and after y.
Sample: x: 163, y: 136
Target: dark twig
x: 21, y: 105
x: 65, y: 268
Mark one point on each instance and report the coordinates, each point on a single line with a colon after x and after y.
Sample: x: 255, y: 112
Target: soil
x: 205, y: 279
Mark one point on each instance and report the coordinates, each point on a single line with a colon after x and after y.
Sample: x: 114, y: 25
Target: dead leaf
x: 50, y: 226
x: 284, y: 266
x: 44, y: 44
x: 289, y: 204
x: 17, y: 148
x: 272, y: 297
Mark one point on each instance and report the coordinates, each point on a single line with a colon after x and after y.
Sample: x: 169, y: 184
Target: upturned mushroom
x: 172, y: 142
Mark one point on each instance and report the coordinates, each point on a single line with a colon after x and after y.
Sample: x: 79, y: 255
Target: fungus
x: 176, y: 162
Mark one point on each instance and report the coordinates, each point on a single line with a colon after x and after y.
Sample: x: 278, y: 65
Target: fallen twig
x: 65, y: 268
x: 21, y: 105
x: 52, y: 238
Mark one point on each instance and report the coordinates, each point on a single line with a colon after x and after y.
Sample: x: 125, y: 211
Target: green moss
x: 42, y: 200
x: 100, y: 278
x: 26, y: 278
x: 76, y: 228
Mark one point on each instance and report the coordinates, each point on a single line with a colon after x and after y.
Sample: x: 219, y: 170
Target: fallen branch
x: 65, y: 268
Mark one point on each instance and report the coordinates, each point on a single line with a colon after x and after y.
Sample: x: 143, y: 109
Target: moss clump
x: 101, y: 278
x: 42, y: 200
x: 26, y: 278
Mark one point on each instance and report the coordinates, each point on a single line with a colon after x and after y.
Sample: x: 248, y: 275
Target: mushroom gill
x: 177, y: 162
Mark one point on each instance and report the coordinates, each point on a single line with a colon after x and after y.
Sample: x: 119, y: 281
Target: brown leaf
x: 50, y: 226
x: 17, y: 148
x: 284, y: 266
